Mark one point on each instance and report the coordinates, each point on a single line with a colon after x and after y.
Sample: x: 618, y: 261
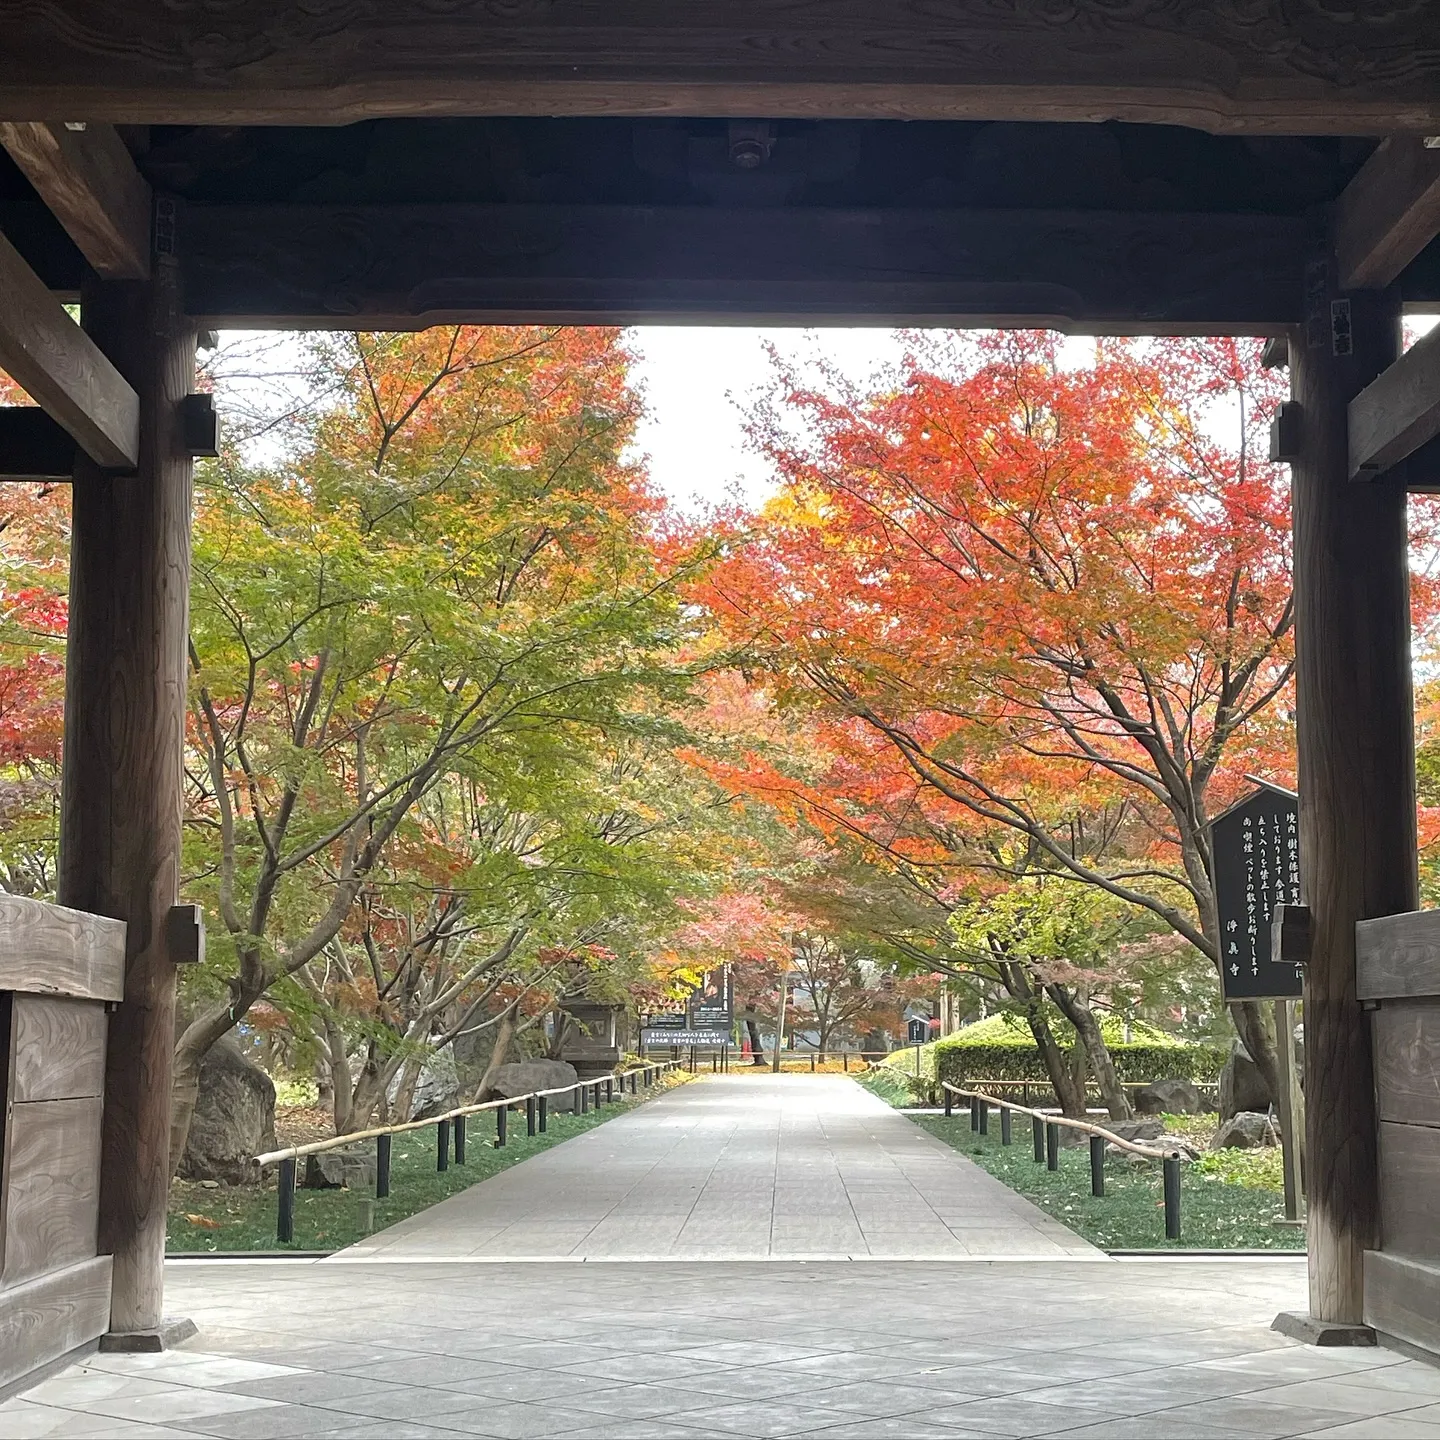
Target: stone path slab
x: 738, y: 1167
x: 685, y: 1350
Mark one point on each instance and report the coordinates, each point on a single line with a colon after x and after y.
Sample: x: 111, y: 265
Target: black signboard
x: 712, y: 1004
x: 701, y: 1039
x: 919, y: 1031
x: 666, y: 1020
x: 1256, y: 845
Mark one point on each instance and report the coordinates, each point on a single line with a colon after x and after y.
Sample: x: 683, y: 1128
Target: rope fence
x: 1045, y: 1135
x: 450, y: 1130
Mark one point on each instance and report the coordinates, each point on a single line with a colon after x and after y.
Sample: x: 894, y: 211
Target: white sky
x: 698, y: 382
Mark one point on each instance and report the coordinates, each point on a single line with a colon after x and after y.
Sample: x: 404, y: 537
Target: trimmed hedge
x: 1002, y: 1048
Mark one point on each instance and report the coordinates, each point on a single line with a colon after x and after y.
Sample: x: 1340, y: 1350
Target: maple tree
x: 1029, y: 600
x: 454, y: 586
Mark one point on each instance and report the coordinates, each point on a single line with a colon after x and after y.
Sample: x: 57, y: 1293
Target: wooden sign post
x: 1256, y: 849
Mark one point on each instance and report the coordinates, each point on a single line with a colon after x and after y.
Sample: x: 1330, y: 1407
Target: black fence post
x: 584, y: 1100
x: 382, y: 1166
x: 599, y: 1103
x: 1006, y: 1121
x: 949, y: 1103
x: 459, y: 1139
x: 1052, y: 1145
x: 1037, y: 1133
x: 609, y: 1089
x: 1171, y: 1165
x: 529, y: 1114
x: 1097, y: 1164
x: 501, y: 1122
x: 632, y: 1081
x: 544, y: 1106
x: 975, y: 1113
x: 285, y: 1202
x: 984, y: 1116
x: 442, y: 1145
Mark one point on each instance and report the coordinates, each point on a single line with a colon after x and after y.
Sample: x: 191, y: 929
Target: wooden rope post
x: 1004, y: 1124
x: 285, y: 1202
x: 1052, y: 1145
x: 501, y: 1122
x: 382, y: 1166
x: 442, y: 1145
x: 542, y: 1108
x: 1037, y: 1132
x: 459, y: 1139
x: 1097, y: 1165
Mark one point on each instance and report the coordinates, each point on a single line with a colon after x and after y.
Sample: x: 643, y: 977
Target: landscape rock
x: 438, y: 1088
x: 524, y: 1077
x: 234, y: 1118
x: 1141, y: 1131
x: 340, y: 1169
x: 1242, y: 1087
x: 1168, y: 1097
x: 1248, y: 1130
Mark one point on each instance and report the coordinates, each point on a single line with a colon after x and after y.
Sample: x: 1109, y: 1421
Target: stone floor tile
x: 1255, y: 1417
x: 23, y: 1420
x: 1388, y: 1427
x: 1349, y: 1399
x: 519, y: 1422
x: 762, y: 1420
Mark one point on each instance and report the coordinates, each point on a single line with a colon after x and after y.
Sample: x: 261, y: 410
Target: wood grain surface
x: 89, y: 181
x: 54, y: 1186
x: 59, y: 1048
x: 1279, y: 66
x: 51, y: 950
x: 48, y: 355
x: 1356, y: 771
x: 1398, y: 955
x: 48, y: 1317
x: 405, y: 266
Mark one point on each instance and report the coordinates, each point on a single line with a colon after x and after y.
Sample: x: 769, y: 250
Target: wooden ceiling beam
x: 1178, y: 62
x: 62, y: 369
x: 1388, y: 213
x: 1398, y: 412
x: 90, y: 183
x: 405, y: 266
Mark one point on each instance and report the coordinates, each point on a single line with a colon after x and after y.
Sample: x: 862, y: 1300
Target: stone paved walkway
x: 400, y: 1346
x: 738, y: 1167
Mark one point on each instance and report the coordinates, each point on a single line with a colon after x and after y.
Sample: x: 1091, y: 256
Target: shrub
x: 1002, y: 1048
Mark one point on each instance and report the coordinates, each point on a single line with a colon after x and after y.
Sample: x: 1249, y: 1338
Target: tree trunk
x: 757, y: 1050
x: 1256, y: 1035
x: 499, y: 1054
x: 1075, y: 1006
x: 1070, y: 1095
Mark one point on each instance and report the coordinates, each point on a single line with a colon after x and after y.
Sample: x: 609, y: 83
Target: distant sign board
x: 701, y: 1039
x: 712, y: 1005
x: 919, y: 1031
x: 1256, y: 847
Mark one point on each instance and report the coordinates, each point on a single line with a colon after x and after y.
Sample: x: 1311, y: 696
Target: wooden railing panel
x: 1409, y: 1183
x: 44, y: 1319
x: 1398, y: 956
x: 54, y: 1186
x: 50, y: 950
x: 59, y: 1048
x: 1407, y: 1061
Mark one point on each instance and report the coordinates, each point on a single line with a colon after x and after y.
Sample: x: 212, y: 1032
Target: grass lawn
x: 242, y: 1218
x: 1215, y: 1212
x: 1229, y: 1199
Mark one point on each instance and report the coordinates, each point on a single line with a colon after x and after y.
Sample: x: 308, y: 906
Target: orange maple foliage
x: 1028, y: 609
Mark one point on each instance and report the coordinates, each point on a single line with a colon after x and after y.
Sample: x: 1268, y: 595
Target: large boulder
x: 1140, y: 1131
x: 340, y: 1169
x: 438, y: 1088
x: 1242, y: 1087
x: 234, y: 1118
x: 1249, y: 1130
x: 1168, y: 1097
x: 524, y: 1077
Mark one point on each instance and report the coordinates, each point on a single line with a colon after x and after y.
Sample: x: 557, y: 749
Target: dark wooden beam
x: 89, y: 181
x: 1356, y: 768
x: 1398, y: 411
x: 48, y: 355
x: 33, y: 446
x: 120, y: 828
x: 1388, y: 213
x: 413, y: 265
x: 1286, y: 69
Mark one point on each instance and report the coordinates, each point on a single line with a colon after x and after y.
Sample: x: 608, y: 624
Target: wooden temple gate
x: 1159, y: 166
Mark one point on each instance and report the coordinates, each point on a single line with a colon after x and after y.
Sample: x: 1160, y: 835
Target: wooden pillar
x: 124, y: 729
x: 1356, y: 762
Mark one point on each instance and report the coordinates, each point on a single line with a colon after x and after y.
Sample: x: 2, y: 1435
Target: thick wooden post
x: 124, y: 728
x: 1356, y: 765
